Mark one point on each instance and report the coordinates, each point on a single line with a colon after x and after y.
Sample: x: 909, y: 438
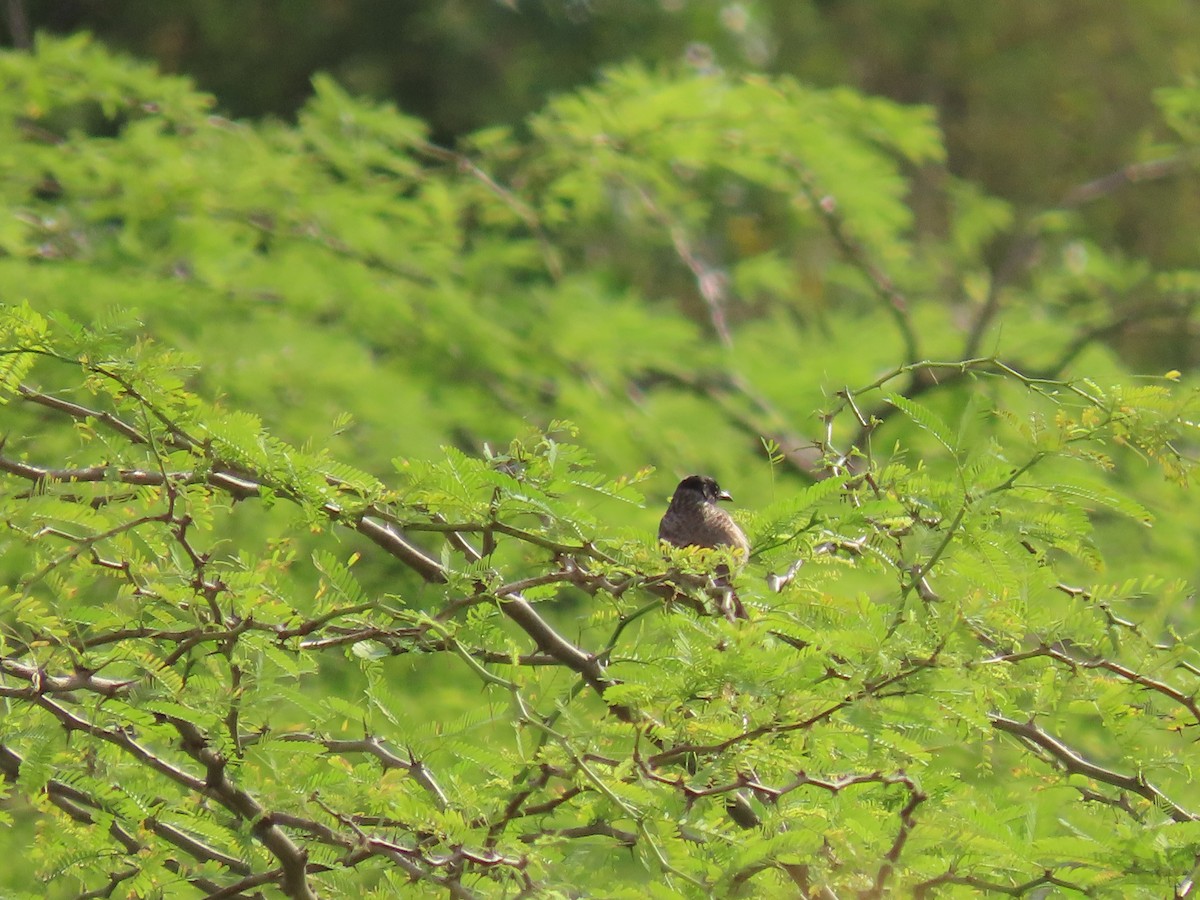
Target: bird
x: 693, y: 519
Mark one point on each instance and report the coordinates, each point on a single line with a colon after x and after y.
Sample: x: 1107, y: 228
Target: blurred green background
x: 1033, y: 98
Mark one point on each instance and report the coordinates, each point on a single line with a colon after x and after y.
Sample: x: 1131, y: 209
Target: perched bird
x: 693, y: 519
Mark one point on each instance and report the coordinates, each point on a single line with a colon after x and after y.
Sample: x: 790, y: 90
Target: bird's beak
x: 724, y: 495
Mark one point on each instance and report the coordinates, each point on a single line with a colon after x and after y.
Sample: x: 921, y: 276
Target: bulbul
x: 693, y: 519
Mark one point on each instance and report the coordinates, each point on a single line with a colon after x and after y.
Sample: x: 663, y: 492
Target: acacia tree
x: 247, y: 657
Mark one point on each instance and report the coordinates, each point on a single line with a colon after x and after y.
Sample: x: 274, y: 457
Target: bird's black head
x: 703, y: 488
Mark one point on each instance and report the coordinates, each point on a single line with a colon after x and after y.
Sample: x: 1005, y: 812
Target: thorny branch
x: 1075, y: 763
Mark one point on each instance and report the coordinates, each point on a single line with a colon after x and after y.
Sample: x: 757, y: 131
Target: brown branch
x: 908, y: 821
x: 217, y: 784
x: 520, y: 208
x: 250, y: 882
x: 241, y: 488
x: 596, y: 829
x: 510, y: 601
x: 41, y: 682
x: 1061, y: 653
x: 123, y: 740
x: 1047, y: 878
x: 1074, y: 763
x: 388, y: 537
x: 18, y: 25
x: 229, y: 482
x: 1133, y: 173
x: 513, y: 806
x: 82, y: 412
x: 725, y: 390
x: 393, y: 542
x: 359, y: 846
x: 412, y: 859
x: 521, y: 611
x: 416, y: 769
x: 1086, y: 337
x: 799, y: 873
x: 439, y: 525
x: 538, y: 809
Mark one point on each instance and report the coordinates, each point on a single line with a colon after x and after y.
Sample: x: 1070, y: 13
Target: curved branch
x: 416, y: 769
x: 1074, y: 763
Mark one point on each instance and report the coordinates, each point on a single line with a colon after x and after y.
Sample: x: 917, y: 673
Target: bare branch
x: 1046, y: 879
x: 82, y: 412
x: 1061, y: 652
x: 41, y: 682
x: 1075, y: 763
x: 374, y: 747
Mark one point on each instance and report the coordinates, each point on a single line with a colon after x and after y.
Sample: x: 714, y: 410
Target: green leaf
x: 926, y: 419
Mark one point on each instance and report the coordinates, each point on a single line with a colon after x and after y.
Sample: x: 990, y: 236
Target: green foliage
x: 285, y: 604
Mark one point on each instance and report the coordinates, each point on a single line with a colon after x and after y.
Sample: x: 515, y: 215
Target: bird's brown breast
x: 701, y: 525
